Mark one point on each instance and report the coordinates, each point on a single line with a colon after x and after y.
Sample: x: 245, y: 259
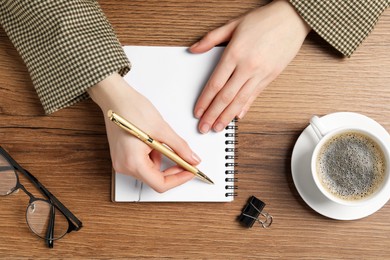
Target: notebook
x: 172, y: 79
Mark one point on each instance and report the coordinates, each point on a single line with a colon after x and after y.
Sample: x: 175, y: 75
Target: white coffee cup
x: 338, y: 177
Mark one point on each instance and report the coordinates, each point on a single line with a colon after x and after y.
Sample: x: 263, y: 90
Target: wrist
x: 109, y: 92
x: 289, y: 11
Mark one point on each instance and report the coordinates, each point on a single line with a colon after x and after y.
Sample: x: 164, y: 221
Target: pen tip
x: 209, y: 180
x: 204, y: 177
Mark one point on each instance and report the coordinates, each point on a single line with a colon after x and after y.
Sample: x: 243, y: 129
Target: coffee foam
x: 351, y: 166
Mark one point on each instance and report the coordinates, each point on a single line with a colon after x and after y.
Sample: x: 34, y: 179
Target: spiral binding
x: 230, y: 157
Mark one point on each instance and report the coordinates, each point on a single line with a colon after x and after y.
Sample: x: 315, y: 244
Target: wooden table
x: 68, y: 152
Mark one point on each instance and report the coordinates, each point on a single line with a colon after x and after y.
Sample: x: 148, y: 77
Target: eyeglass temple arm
x: 50, y: 230
x: 74, y: 222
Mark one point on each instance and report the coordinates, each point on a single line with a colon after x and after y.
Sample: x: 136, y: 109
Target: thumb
x: 215, y: 37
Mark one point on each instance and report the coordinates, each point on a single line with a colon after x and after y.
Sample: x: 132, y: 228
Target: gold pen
x: 132, y: 129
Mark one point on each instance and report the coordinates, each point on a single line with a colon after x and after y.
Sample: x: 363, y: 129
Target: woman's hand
x: 262, y: 43
x: 130, y: 155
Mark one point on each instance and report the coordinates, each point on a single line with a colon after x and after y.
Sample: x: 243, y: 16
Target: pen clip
x: 121, y: 122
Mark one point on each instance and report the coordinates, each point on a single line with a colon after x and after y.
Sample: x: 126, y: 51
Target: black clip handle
x: 252, y: 212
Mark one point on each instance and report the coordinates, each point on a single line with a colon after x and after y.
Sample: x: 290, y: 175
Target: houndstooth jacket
x: 69, y: 46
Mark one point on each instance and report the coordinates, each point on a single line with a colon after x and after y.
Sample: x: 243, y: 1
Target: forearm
x: 68, y: 46
x: 343, y: 24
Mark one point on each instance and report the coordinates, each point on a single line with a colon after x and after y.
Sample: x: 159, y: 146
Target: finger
x: 252, y: 99
x: 237, y: 105
x: 174, y: 170
x: 215, y: 37
x: 178, y: 145
x: 161, y: 183
x: 221, y: 101
x: 217, y: 81
x: 156, y: 158
x: 245, y: 109
x: 258, y: 89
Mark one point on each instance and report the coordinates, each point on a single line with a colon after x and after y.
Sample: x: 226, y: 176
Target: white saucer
x: 301, y: 172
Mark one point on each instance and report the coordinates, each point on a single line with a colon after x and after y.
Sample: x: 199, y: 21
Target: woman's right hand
x: 129, y: 155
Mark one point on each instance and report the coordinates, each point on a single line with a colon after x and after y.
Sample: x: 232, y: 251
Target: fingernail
x: 194, y: 45
x: 205, y: 128
x: 219, y: 127
x: 199, y: 113
x: 196, y: 157
x: 242, y: 114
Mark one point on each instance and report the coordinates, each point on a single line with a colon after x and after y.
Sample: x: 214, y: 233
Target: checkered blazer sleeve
x: 342, y: 23
x: 67, y: 46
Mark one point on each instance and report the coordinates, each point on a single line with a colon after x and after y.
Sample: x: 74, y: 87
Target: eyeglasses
x: 48, y: 218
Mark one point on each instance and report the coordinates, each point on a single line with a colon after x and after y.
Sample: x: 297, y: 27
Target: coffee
x: 351, y: 166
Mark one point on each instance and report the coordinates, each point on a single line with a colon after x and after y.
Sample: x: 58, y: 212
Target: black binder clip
x: 253, y: 211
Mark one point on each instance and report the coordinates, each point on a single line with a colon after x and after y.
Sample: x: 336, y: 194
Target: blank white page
x: 172, y: 79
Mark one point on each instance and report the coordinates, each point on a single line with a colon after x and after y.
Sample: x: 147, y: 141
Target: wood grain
x: 68, y: 152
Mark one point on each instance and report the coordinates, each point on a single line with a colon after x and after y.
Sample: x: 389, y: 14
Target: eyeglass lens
x: 40, y: 213
x: 8, y: 179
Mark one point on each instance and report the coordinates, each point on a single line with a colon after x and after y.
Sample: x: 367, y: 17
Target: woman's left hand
x: 262, y: 43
